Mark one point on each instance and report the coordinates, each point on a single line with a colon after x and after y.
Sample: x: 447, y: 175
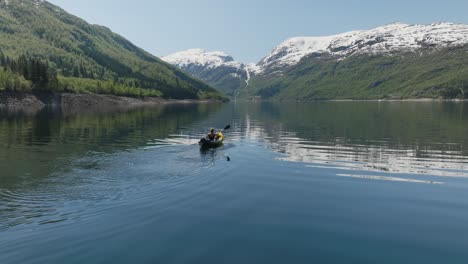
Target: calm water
x: 325, y: 182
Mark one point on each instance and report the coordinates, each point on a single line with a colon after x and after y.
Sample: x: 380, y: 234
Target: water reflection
x: 386, y: 178
x: 55, y: 165
x: 395, y: 137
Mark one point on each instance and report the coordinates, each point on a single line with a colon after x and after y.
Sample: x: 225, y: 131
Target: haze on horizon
x: 249, y: 30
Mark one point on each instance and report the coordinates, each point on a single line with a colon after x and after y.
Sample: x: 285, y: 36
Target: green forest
x: 42, y: 47
x: 28, y: 74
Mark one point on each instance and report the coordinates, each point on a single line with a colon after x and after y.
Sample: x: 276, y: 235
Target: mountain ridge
x: 215, y: 67
x: 394, y: 39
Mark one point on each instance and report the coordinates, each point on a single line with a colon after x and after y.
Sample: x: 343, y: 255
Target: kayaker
x: 211, y: 136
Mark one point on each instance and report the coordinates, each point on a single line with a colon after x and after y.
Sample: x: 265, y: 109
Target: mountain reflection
x: 84, y: 159
x: 397, y: 137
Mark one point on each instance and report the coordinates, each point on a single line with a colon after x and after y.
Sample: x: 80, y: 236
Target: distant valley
x: 217, y: 68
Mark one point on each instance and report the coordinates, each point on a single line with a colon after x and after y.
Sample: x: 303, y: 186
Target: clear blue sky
x: 249, y: 29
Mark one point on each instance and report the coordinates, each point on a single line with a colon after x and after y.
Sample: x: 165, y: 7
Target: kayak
x: 206, y: 143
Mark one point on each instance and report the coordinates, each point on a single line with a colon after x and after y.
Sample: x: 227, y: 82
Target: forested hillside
x: 44, y: 47
x: 429, y: 74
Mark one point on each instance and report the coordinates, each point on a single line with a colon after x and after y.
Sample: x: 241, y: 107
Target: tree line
x: 28, y: 73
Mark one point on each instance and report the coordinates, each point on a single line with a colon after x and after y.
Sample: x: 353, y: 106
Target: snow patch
x: 36, y: 3
x: 386, y: 39
x: 253, y: 68
x: 211, y: 60
x: 203, y: 58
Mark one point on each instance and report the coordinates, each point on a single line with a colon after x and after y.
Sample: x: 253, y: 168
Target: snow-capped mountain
x: 432, y: 69
x: 391, y: 38
x: 387, y: 39
x: 215, y: 67
x: 200, y: 57
x: 392, y: 61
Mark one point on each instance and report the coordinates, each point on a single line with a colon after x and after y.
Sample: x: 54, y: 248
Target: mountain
x: 392, y: 61
x: 385, y: 40
x: 216, y: 68
x: 84, y: 57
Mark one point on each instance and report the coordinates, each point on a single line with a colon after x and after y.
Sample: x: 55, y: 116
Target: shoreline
x: 363, y: 100
x: 404, y: 100
x: 70, y: 102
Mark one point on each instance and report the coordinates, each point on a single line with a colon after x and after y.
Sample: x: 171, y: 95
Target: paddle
x: 226, y: 128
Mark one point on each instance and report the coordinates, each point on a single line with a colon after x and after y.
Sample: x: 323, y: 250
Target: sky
x: 249, y: 29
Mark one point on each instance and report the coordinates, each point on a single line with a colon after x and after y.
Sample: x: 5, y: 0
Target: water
x: 323, y: 182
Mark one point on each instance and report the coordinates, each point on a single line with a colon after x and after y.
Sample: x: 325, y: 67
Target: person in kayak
x: 212, y: 136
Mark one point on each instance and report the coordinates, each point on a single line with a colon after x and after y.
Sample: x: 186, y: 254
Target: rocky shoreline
x: 81, y: 102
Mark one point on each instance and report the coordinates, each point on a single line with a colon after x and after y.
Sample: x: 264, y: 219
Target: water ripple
x: 101, y: 181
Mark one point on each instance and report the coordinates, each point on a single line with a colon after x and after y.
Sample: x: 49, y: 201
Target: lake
x: 318, y: 182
